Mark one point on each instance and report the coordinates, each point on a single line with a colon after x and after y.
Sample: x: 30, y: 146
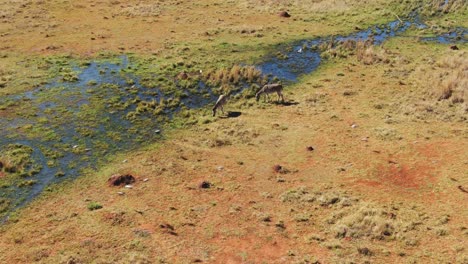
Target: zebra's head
x: 257, y: 96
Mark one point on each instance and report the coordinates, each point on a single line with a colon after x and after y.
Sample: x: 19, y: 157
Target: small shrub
x: 369, y: 56
x: 4, y: 204
x: 302, y: 217
x: 333, y: 245
x: 455, y: 85
x: 364, y: 251
x: 234, y: 75
x: 116, y: 218
x: 92, y: 83
x: 142, y: 232
x: 59, y: 174
x: 94, y: 206
x: 16, y: 158
x: 293, y: 195
x: 365, y: 222
x: 264, y: 217
x: 441, y: 232
x: 26, y: 183
x: 412, y: 241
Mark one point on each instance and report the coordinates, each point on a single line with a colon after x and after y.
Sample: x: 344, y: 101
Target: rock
x: 157, y: 131
x: 454, y: 47
x: 284, y: 14
x: 354, y: 126
x: 121, y: 193
x: 145, y: 180
x: 277, y: 168
x: 220, y: 168
x: 119, y: 180
x: 124, y: 161
x: 310, y: 148
x: 128, y: 186
x: 204, y: 185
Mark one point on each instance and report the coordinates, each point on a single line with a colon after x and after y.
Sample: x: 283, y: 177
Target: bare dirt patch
x: 238, y: 250
x: 407, y: 176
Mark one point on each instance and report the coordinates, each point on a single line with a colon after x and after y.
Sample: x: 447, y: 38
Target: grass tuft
x: 232, y: 76
x: 454, y: 82
x: 94, y: 206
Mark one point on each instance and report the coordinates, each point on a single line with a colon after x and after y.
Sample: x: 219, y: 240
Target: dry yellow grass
x: 356, y: 179
x: 235, y: 75
x: 446, y: 79
x: 148, y: 27
x: 368, y: 55
x: 454, y: 78
x: 446, y: 6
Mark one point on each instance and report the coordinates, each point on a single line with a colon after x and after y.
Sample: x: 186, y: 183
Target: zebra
x: 271, y: 88
x: 222, y: 100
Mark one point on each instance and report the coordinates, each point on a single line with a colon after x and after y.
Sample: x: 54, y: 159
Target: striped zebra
x: 271, y: 88
x: 222, y: 100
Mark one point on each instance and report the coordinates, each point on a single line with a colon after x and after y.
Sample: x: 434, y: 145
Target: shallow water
x: 301, y: 58
x: 80, y: 127
x: 457, y: 35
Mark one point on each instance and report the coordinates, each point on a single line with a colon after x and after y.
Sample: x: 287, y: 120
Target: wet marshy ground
x: 97, y: 109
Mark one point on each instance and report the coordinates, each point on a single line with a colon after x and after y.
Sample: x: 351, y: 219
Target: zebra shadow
x: 286, y: 103
x: 232, y: 114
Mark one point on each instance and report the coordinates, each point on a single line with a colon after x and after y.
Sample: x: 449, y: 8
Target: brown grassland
x: 372, y: 149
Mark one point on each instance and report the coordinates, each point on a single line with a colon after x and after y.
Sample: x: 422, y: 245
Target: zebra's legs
x: 280, y: 95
